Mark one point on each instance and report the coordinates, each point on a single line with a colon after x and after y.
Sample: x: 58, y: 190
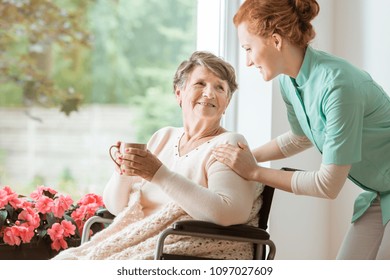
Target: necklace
x: 183, y: 149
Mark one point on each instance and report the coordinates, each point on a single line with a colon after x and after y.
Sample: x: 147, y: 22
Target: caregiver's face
x: 260, y: 52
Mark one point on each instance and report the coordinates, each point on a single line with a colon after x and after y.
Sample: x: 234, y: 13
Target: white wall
x: 305, y: 227
x: 362, y: 35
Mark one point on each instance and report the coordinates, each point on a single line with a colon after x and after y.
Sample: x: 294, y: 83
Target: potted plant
x: 46, y: 221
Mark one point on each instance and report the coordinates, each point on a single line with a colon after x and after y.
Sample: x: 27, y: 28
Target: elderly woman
x: 177, y: 178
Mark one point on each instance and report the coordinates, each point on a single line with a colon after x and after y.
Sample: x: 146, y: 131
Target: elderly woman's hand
x: 239, y: 158
x: 137, y: 162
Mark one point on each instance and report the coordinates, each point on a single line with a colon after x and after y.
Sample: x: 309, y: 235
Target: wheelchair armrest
x: 104, y: 213
x: 211, y: 228
x: 101, y: 216
x: 242, y: 233
x: 290, y: 169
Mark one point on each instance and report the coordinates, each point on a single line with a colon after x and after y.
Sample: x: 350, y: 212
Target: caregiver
x: 332, y: 105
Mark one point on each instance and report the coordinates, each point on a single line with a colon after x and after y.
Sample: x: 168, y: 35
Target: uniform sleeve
x: 227, y: 200
x: 344, y: 113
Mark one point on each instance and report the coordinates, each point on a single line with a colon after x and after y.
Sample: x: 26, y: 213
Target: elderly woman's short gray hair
x: 215, y: 64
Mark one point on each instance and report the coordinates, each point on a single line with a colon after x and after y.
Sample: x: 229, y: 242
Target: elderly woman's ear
x: 178, y: 95
x: 227, y: 104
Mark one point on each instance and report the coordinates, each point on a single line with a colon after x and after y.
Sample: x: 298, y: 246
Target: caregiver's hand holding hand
x: 239, y: 158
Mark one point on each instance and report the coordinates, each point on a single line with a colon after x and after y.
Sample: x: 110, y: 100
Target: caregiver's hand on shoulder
x: 239, y: 158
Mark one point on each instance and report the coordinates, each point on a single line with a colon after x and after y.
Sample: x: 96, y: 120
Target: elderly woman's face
x: 204, y: 95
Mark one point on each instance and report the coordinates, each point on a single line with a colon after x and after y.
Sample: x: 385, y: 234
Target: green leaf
x: 41, y: 233
x: 50, y: 219
x: 3, y: 217
x: 70, y: 104
x: 10, y: 210
x: 69, y: 218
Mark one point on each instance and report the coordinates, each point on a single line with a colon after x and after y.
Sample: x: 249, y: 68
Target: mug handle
x: 110, y: 152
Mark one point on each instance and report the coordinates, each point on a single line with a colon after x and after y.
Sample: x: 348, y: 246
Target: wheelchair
x: 264, y: 247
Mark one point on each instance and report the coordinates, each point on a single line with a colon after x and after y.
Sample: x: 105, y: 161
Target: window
x: 121, y: 68
x: 124, y: 78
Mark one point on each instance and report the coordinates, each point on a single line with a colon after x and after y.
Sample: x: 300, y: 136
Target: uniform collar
x: 306, y: 68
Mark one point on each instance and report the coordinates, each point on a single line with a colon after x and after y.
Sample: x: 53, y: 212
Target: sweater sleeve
x: 116, y: 193
x: 325, y: 183
x: 291, y: 144
x: 227, y: 200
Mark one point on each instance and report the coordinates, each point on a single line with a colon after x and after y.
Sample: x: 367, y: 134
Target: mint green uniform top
x: 346, y: 115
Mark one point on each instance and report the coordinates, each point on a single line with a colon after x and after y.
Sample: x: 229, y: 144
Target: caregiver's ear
x: 277, y: 41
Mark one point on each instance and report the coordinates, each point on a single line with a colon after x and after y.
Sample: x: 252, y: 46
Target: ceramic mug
x: 122, y: 148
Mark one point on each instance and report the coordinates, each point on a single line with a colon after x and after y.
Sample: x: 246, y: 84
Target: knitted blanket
x: 133, y: 236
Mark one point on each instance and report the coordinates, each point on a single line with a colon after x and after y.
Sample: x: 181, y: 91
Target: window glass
x: 77, y: 76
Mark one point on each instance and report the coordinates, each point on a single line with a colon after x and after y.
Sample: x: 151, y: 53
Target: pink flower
x: 44, y: 204
x: 36, y: 195
x: 87, y: 208
x: 3, y: 198
x: 56, y: 231
x: 78, y: 214
x: 61, y: 204
x: 69, y: 228
x: 50, y: 190
x: 58, y: 244
x: 8, y: 196
x: 40, y: 191
x: 30, y: 217
x: 9, y: 191
x: 11, y: 236
x: 26, y: 233
x: 91, y: 199
x: 26, y: 204
x: 80, y: 224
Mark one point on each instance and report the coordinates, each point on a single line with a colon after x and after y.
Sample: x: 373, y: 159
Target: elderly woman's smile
x: 207, y: 104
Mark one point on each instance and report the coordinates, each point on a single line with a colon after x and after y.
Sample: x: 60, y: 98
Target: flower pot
x: 31, y: 251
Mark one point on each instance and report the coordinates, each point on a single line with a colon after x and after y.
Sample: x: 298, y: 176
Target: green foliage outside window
x: 137, y: 47
x: 29, y: 30
x: 75, y: 52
